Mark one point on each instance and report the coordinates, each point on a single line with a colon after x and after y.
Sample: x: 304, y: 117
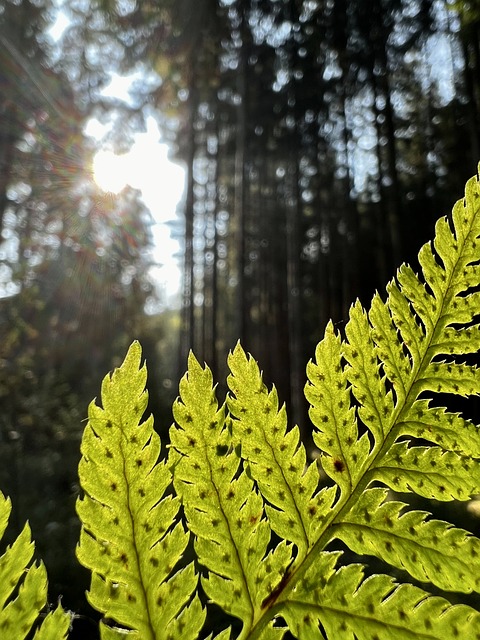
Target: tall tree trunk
x: 188, y: 294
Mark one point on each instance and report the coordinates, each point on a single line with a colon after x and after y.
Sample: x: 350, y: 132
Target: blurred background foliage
x: 321, y: 141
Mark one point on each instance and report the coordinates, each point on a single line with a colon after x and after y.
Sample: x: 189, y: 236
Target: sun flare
x: 111, y: 171
x: 161, y: 182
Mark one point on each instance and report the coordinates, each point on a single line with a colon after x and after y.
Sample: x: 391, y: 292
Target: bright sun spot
x: 112, y: 172
x: 147, y: 167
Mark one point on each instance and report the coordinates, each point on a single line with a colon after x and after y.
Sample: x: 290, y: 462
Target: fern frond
x: 263, y: 521
x: 55, y: 625
x: 348, y: 606
x: 430, y: 472
x: 435, y: 424
x: 129, y: 539
x: 331, y: 412
x: 277, y: 460
x: 23, y: 588
x: 430, y: 550
x: 222, y: 507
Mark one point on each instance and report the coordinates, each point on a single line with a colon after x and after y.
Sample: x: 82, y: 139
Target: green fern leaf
x: 348, y: 607
x: 449, y: 430
x: 430, y: 550
x: 128, y: 539
x: 55, y: 625
x: 264, y: 520
x: 222, y: 507
x: 276, y: 459
x: 23, y: 588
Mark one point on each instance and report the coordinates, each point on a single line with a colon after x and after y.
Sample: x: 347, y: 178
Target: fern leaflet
x: 23, y: 589
x: 129, y: 539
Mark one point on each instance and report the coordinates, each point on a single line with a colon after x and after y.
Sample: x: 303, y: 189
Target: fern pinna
x: 23, y: 590
x: 262, y: 517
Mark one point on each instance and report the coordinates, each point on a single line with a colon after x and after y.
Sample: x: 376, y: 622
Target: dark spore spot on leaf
x: 226, y: 557
x: 239, y: 523
x: 141, y: 493
x: 267, y: 409
x: 370, y: 608
x: 388, y: 546
x: 402, y: 615
x: 324, y: 418
x: 221, y: 449
x: 354, y: 353
x: 428, y: 624
x: 243, y: 410
x: 192, y: 442
x: 108, y: 424
x: 116, y: 521
x: 133, y: 439
x: 113, y: 486
x: 188, y: 418
x: 131, y: 597
x: 248, y: 430
x: 282, y: 446
x: 154, y: 562
x: 202, y: 494
x: 338, y: 465
x: 230, y: 494
x: 123, y: 558
x: 292, y: 468
x: 312, y: 510
x: 213, y: 424
x: 138, y: 462
x: 215, y: 522
x: 269, y: 471
x: 159, y: 601
x: 281, y: 495
x: 306, y: 620
x: 412, y: 531
x: 257, y: 451
x: 108, y: 453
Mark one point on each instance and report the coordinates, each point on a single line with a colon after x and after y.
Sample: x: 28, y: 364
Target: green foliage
x: 262, y: 518
x: 23, y: 589
x: 265, y: 522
